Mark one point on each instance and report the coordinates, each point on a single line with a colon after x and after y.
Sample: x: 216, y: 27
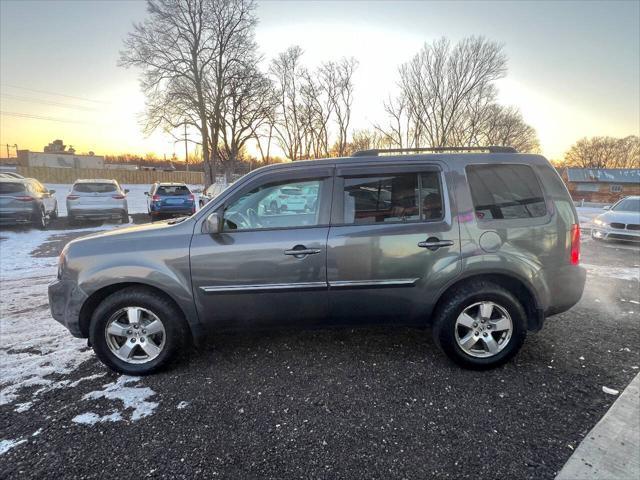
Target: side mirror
x: 146, y: 193
x: 214, y: 223
x: 126, y: 190
x: 52, y: 192
x: 606, y: 207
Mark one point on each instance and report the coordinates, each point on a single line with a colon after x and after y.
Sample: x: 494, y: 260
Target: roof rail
x: 491, y: 149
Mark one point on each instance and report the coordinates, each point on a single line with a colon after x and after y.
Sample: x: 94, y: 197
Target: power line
x: 47, y: 102
x: 54, y: 93
x: 41, y: 117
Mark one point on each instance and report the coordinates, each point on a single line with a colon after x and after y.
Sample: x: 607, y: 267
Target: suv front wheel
x: 137, y: 331
x: 480, y: 325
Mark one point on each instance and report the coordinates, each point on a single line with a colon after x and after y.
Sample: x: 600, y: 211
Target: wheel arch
x: 95, y: 298
x: 521, y: 289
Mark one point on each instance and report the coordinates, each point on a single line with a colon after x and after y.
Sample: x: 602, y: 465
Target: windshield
x: 94, y: 187
x: 627, y: 205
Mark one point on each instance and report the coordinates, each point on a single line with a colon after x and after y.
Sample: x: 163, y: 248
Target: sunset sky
x: 574, y: 67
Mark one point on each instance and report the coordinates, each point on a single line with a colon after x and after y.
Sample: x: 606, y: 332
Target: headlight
x: 597, y: 221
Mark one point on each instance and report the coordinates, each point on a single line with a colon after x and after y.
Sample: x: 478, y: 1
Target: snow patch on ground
x: 91, y: 418
x: 132, y: 397
x: 6, y: 445
x: 183, y: 405
x: 622, y: 273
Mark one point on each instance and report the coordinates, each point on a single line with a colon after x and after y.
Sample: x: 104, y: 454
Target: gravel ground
x: 367, y: 403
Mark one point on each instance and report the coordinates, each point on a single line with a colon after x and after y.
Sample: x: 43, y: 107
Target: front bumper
x: 606, y: 232
x: 65, y: 302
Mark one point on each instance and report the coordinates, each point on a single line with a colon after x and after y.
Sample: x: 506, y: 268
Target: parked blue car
x: 169, y: 200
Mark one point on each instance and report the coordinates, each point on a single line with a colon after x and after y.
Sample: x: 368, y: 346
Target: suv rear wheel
x: 137, y: 331
x: 480, y: 325
x: 40, y: 219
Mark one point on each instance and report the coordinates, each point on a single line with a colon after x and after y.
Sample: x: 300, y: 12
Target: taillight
x: 23, y: 198
x: 155, y: 198
x: 575, y: 244
x: 73, y: 197
x: 191, y: 197
x: 118, y: 197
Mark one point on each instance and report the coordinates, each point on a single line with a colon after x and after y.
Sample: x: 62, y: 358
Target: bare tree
x: 443, y: 85
x: 505, y: 126
x: 286, y: 70
x: 341, y: 97
x: 248, y: 105
x: 174, y: 48
x: 604, y: 152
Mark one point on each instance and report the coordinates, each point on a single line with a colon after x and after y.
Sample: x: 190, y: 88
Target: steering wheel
x: 239, y: 220
x: 253, y: 218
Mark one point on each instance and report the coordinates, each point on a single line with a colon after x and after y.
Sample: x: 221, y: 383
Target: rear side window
x: 94, y: 187
x: 398, y: 197
x: 504, y: 192
x: 172, y: 190
x: 6, y: 188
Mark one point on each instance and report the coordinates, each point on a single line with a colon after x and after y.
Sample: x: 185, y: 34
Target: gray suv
x: 480, y: 246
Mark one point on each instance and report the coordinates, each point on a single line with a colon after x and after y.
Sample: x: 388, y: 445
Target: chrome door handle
x: 433, y: 243
x: 301, y: 251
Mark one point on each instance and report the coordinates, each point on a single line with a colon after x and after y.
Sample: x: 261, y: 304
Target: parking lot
x: 376, y: 402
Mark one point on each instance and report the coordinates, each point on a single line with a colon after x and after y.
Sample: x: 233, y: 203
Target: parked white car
x: 620, y: 222
x: 97, y: 199
x: 288, y: 199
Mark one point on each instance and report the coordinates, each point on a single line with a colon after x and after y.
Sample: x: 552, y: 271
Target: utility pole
x: 186, y: 152
x: 7, y: 150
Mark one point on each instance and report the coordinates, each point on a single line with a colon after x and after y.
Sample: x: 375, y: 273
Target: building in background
x: 606, y: 185
x: 57, y: 155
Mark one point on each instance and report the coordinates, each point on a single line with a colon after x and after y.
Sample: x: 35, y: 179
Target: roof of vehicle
x: 95, y: 180
x: 456, y: 157
x: 171, y: 184
x: 15, y: 180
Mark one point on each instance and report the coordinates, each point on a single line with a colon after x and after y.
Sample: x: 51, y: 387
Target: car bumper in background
x: 65, y: 302
x: 606, y: 233
x: 96, y: 214
x: 19, y: 216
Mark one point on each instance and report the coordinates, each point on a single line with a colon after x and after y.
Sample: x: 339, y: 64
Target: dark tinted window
x: 172, y: 190
x: 505, y: 192
x: 94, y: 187
x: 392, y: 198
x: 11, y: 187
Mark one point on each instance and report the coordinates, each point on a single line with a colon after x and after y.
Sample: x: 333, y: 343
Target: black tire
x: 462, y: 297
x: 53, y: 215
x: 40, y: 219
x: 71, y: 220
x: 171, y: 317
x: 125, y: 217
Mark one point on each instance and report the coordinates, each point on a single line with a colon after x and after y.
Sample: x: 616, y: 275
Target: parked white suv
x: 97, y: 199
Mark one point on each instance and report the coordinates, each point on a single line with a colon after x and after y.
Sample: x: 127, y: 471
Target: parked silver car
x: 97, y: 199
x: 620, y: 222
x: 482, y: 247
x: 26, y: 200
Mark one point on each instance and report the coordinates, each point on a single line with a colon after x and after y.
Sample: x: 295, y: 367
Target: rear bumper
x: 65, y: 302
x: 566, y: 288
x: 14, y: 217
x: 97, y: 214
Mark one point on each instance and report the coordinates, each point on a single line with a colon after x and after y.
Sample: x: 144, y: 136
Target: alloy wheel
x: 483, y: 329
x: 135, y: 335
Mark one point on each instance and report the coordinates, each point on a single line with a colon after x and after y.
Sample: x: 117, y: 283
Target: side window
x: 290, y: 204
x: 399, y: 197
x: 503, y: 192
